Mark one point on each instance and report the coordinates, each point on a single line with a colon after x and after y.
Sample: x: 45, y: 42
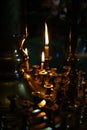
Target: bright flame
x: 46, y: 35
x: 43, y: 57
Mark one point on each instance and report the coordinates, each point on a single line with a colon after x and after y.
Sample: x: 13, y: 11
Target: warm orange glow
x: 42, y: 103
x: 23, y: 40
x: 46, y: 42
x: 42, y: 60
x: 26, y: 51
x: 43, y: 57
x: 26, y: 61
x: 46, y: 35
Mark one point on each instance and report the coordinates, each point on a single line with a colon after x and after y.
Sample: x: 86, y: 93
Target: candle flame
x: 46, y: 35
x: 43, y: 57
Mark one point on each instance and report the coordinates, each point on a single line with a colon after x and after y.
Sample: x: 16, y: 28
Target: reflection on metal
x: 39, y: 98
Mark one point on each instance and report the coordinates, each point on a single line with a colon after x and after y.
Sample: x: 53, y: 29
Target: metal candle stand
x: 64, y: 95
x: 37, y: 99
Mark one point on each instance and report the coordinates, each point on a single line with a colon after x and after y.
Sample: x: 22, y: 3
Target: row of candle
x: 45, y: 53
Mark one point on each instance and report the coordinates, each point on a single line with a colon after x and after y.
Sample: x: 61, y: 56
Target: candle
x: 42, y: 60
x: 26, y: 61
x: 46, y: 42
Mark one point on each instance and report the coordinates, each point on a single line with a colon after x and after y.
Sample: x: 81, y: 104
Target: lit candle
x: 46, y: 42
x: 42, y: 60
x: 26, y: 61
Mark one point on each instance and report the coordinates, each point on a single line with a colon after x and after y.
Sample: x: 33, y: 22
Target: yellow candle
x: 46, y: 42
x: 47, y: 51
x: 42, y: 60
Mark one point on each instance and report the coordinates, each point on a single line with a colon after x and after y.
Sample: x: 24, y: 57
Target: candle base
x: 46, y: 64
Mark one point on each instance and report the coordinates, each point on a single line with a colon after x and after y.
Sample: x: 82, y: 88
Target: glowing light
x: 42, y: 60
x: 42, y: 103
x: 36, y: 111
x: 46, y: 35
x: 26, y: 51
x: 46, y: 42
x: 15, y: 51
x: 27, y: 76
x: 43, y: 57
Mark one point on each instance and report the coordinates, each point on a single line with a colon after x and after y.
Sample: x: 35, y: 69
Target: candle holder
x: 46, y: 63
x: 43, y: 75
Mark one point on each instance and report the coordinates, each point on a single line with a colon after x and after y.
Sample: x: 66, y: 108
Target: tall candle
x: 42, y: 60
x: 46, y: 42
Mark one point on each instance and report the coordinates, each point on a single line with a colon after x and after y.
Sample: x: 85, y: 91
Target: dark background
x: 59, y: 19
